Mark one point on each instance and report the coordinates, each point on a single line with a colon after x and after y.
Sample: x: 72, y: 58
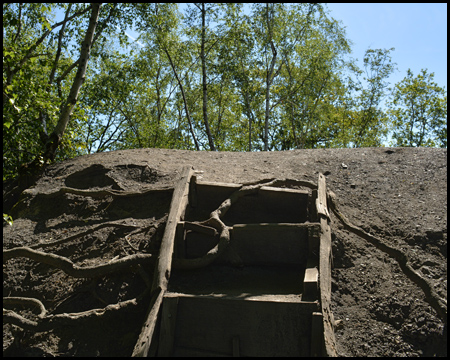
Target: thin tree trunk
x: 269, y: 79
x: 158, y: 105
x: 55, y: 138
x: 186, y: 108
x: 42, y: 115
x: 204, y: 80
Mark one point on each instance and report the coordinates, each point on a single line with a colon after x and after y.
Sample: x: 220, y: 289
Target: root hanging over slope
x: 438, y: 304
x: 216, y: 222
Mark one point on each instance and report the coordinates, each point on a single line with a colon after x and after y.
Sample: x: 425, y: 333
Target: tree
x: 203, y: 11
x: 166, y: 38
x: 107, y: 95
x: 55, y: 138
x: 418, y: 111
x: 370, y: 122
x: 36, y: 77
x: 212, y: 77
x: 30, y: 44
x: 310, y: 86
x: 267, y: 24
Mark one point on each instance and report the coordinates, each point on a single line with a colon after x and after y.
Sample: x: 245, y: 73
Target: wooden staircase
x: 267, y: 294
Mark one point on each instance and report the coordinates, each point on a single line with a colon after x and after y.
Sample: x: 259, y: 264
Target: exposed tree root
x: 101, y: 226
x: 66, y: 265
x: 293, y: 182
x: 96, y: 193
x: 216, y: 222
x: 431, y: 296
x: 81, y: 234
x: 15, y: 300
x: 45, y: 323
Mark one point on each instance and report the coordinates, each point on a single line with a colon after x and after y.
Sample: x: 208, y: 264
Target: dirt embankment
x: 398, y: 195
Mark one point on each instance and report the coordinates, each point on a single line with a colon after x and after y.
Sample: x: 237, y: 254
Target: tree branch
x: 41, y: 39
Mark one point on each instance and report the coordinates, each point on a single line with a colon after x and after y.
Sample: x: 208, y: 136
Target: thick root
x: 216, y: 222
x: 45, y: 323
x: 66, y: 265
x: 431, y: 296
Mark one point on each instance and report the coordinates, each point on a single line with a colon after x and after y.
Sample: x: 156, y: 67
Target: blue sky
x: 418, y: 32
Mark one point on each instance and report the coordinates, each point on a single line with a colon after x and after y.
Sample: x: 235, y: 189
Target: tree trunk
x: 184, y: 99
x: 269, y: 79
x: 205, y: 89
x: 52, y: 144
x: 42, y: 115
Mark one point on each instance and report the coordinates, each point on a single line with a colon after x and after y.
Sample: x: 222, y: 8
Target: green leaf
x: 12, y: 103
x: 7, y: 218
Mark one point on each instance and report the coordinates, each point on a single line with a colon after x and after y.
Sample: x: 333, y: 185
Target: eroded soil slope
x: 397, y: 194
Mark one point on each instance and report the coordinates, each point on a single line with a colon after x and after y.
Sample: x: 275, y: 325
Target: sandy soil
x: 397, y: 194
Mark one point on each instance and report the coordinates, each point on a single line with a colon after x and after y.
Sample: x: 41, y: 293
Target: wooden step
x: 210, y: 325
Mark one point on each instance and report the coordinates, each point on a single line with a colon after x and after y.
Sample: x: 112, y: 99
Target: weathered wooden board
x: 317, y: 334
x: 177, y: 210
x: 325, y: 269
x: 234, y: 281
x: 168, y: 319
x: 271, y: 244
x: 268, y: 243
x: 264, y: 328
x: 163, y: 266
x: 142, y: 347
x: 269, y: 205
x: 311, y: 285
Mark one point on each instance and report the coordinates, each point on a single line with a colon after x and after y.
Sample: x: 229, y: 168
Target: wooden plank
x: 142, y: 346
x: 177, y: 209
x: 321, y: 208
x: 310, y: 284
x: 316, y: 334
x: 163, y: 267
x: 312, y: 206
x: 325, y: 269
x: 180, y: 243
x: 274, y: 226
x: 264, y: 328
x: 168, y: 323
x: 236, y: 346
x: 313, y: 245
x: 254, y: 281
x: 283, y: 190
x: 269, y: 205
x: 321, y: 201
x: 193, y: 191
x: 270, y: 244
x: 237, y: 186
x: 218, y: 184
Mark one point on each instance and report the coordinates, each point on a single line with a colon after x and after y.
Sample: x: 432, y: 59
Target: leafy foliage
x: 418, y: 112
x: 275, y: 77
